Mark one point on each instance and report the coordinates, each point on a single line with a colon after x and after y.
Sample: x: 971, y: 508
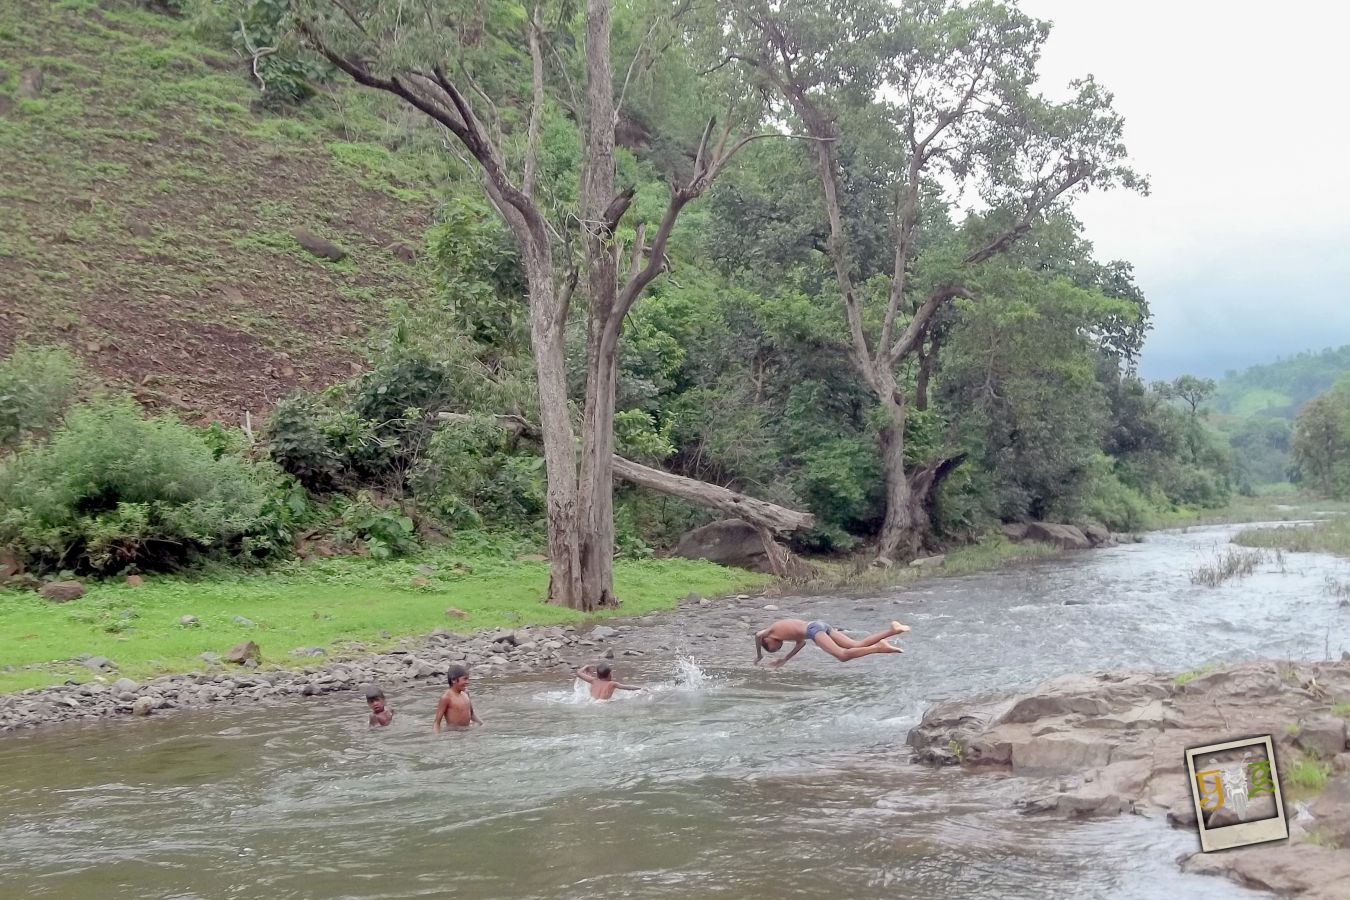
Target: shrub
x: 385, y: 531
x: 113, y: 490
x: 36, y: 384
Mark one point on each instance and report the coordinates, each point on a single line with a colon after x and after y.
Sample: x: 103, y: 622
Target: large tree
x: 492, y: 75
x: 937, y: 96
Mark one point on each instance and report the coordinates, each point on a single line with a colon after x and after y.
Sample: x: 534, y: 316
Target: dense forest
x: 822, y: 256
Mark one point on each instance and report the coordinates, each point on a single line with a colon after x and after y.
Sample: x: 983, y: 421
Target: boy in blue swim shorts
x: 831, y: 640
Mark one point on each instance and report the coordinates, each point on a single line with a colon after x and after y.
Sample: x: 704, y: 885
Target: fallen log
x: 769, y: 519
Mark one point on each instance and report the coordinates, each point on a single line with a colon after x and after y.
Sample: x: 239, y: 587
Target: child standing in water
x: 831, y: 640
x: 602, y: 682
x: 455, y: 707
x: 380, y: 715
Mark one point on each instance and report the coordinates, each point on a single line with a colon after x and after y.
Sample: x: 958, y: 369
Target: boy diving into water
x: 602, y: 682
x: 831, y: 640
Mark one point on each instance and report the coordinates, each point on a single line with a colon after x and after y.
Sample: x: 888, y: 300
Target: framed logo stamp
x: 1236, y: 790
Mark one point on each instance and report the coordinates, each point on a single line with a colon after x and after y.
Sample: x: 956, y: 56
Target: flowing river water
x: 721, y: 781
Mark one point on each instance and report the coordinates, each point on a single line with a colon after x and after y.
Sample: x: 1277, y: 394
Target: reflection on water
x: 717, y: 780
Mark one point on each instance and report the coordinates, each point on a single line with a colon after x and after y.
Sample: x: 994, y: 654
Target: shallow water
x: 721, y: 781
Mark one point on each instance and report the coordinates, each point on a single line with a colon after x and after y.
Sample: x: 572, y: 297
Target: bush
x: 385, y: 531
x: 1115, y: 504
x: 113, y: 490
x: 471, y: 475
x: 36, y: 384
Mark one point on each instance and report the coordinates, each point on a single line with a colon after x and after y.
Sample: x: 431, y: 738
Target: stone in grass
x: 242, y: 652
x: 124, y: 686
x: 188, y: 621
x: 309, y: 651
x: 320, y: 247
x: 99, y: 663
x: 247, y: 623
x: 209, y: 657
x: 135, y: 580
x: 62, y: 591
x: 454, y: 613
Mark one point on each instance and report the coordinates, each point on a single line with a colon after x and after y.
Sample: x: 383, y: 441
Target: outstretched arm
x: 778, y: 663
x: 626, y: 687
x: 584, y: 673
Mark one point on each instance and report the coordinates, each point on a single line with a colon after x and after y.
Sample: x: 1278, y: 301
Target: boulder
x: 134, y: 580
x: 1065, y: 537
x: 317, y: 246
x: 730, y: 542
x: 99, y: 663
x: 1322, y: 736
x: 62, y: 591
x: 1098, y: 535
x: 603, y: 632
x: 1331, y: 811
x: 124, y: 686
x: 928, y: 562
x: 1014, y: 531
x: 142, y: 706
x: 187, y: 621
x: 243, y: 652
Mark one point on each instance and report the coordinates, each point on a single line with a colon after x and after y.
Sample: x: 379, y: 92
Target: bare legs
x: 843, y: 648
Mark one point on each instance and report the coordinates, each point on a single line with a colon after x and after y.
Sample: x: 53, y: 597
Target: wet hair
x: 456, y: 673
x: 373, y: 693
x: 602, y: 670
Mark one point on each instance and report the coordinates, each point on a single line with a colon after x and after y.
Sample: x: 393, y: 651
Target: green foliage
x: 1320, y: 448
x: 383, y: 531
x: 36, y: 384
x: 261, y: 32
x: 472, y: 475
x: 114, y: 490
x: 1309, y: 774
x: 1281, y: 388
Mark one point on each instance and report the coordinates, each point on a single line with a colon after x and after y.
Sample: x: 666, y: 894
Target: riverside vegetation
x: 338, y: 437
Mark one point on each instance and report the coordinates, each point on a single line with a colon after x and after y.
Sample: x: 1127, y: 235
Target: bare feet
x: 887, y: 647
x: 897, y: 628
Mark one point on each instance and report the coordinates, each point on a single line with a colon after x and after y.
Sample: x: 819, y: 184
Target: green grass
x: 1187, y: 677
x: 990, y: 552
x: 1280, y: 504
x: 1330, y: 536
x: 310, y: 605
x: 1309, y: 775
x: 1341, y: 710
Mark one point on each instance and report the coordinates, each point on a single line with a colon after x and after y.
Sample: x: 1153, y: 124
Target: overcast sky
x: 1238, y: 114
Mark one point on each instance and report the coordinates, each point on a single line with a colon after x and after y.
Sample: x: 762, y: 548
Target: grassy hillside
x: 1282, y: 387
x: 147, y: 212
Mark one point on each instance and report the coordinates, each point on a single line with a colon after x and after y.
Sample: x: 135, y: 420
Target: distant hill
x: 149, y: 211
x: 1280, y: 389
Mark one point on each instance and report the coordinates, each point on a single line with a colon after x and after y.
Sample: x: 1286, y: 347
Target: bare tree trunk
x: 595, y: 498
x: 906, y: 520
x: 760, y: 513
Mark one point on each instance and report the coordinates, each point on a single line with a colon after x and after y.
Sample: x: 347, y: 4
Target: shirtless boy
x: 602, y: 682
x: 380, y: 714
x: 831, y: 640
x: 455, y: 707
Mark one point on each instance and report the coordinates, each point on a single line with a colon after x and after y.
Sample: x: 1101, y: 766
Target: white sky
x: 1240, y: 115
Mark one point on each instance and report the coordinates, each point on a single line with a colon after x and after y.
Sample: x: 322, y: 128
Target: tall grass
x: 1231, y: 563
x: 1329, y: 536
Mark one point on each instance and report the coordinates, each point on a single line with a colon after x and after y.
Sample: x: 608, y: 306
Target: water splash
x: 688, y: 675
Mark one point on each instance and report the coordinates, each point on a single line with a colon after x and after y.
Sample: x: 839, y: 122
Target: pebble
x: 99, y: 663
x: 188, y: 621
x: 247, y: 623
x: 770, y: 607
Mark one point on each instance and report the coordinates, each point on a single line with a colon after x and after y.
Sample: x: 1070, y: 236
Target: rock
x: 30, y: 83
x: 402, y: 251
x: 143, y: 706
x: 1331, y: 810
x: 692, y: 597
x: 124, y: 686
x: 1014, y: 531
x: 1098, y: 535
x: 188, y: 621
x: 317, y: 246
x: 603, y: 632
x: 1323, y: 736
x: 135, y: 580
x: 246, y: 622
x: 309, y: 651
x: 771, y: 607
x: 209, y: 657
x: 99, y: 663
x: 420, y: 581
x: 1065, y: 537
x: 703, y: 601
x: 141, y: 229
x: 731, y: 542
x: 243, y: 652
x: 454, y: 613
x: 1075, y: 601
x: 62, y: 591
x: 609, y: 653
x: 928, y: 562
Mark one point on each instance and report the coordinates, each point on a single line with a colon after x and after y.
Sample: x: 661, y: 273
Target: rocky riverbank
x: 1107, y: 743
x: 346, y: 668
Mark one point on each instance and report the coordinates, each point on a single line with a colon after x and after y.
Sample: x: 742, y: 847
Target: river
x: 751, y: 784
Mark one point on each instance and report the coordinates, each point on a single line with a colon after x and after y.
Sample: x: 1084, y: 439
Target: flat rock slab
x: 1117, y: 742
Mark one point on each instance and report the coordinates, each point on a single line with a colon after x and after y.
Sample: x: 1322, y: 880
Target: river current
x: 720, y: 780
